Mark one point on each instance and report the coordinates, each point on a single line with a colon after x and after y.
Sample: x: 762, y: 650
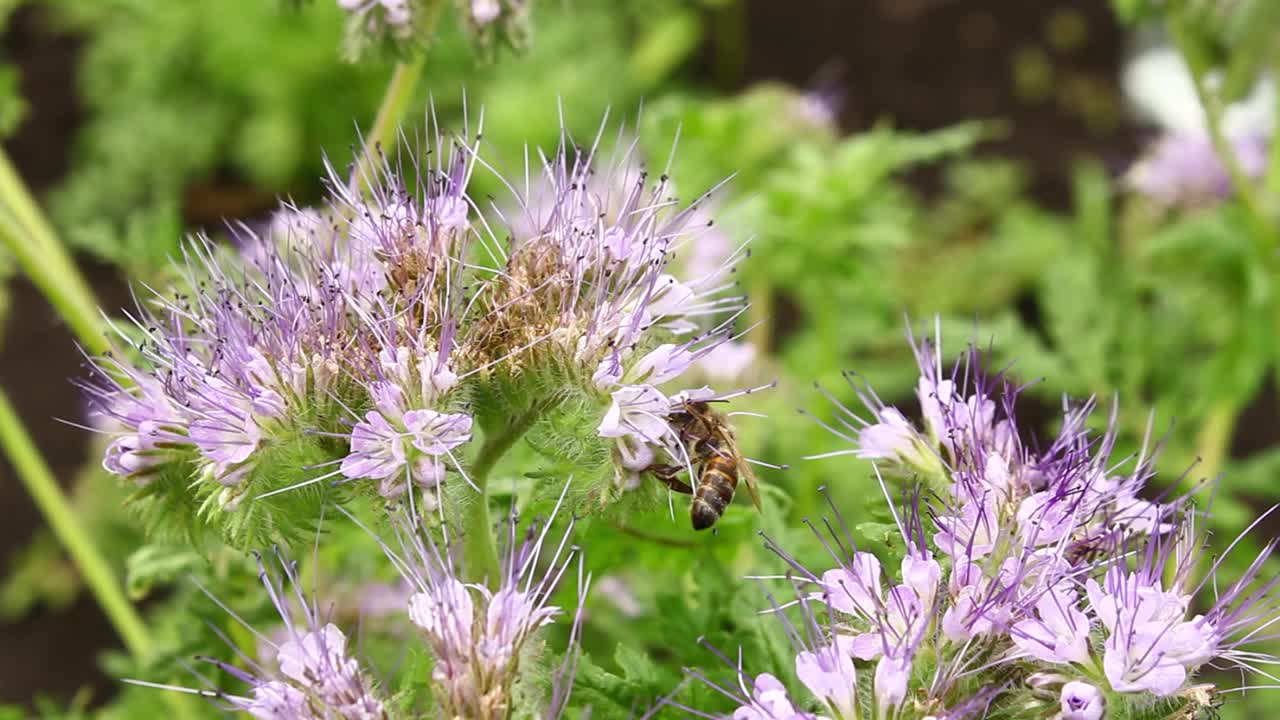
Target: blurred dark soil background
x: 1049, y: 68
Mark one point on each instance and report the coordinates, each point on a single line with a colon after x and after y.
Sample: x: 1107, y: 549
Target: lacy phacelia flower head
x: 329, y: 337
x: 367, y: 341
x: 588, y: 295
x: 310, y: 674
x: 1022, y: 583
x: 483, y: 638
x: 587, y: 267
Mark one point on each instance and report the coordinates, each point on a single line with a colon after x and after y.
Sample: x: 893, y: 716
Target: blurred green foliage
x: 204, y: 110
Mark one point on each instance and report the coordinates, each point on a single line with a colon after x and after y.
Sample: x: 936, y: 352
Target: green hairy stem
x: 481, y: 552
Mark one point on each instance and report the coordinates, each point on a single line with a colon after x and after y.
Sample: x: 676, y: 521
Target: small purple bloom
x: 313, y: 676
x: 829, y: 674
x: 1058, y: 634
x: 768, y: 700
x: 1081, y: 701
x: 480, y: 635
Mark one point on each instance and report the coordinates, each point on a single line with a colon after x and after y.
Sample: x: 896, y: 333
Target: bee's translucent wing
x: 744, y: 469
x: 749, y: 479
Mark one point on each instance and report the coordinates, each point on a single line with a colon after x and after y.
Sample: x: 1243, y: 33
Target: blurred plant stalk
x: 404, y: 80
x: 48, y: 496
x: 386, y: 123
x: 32, y: 240
x: 29, y: 236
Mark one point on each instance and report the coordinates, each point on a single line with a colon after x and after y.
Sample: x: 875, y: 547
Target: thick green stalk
x: 481, y: 552
x: 95, y: 569
x: 385, y: 124
x: 57, y: 279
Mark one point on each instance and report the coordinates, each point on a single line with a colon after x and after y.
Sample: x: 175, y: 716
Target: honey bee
x: 713, y: 452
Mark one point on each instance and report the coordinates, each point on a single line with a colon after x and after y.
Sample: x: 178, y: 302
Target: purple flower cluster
x: 310, y: 673
x: 480, y: 635
x: 589, y: 281
x: 1033, y: 581
x: 376, y: 320
x: 317, y: 318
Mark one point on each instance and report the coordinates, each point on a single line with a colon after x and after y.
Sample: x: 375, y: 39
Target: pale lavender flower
x: 768, y: 700
x: 892, y: 437
x: 1185, y: 170
x: 484, y: 12
x: 152, y: 426
x: 829, y: 674
x: 400, y: 447
x: 1059, y: 633
x: 310, y: 673
x: 1081, y: 701
x: 480, y: 636
x: 637, y: 418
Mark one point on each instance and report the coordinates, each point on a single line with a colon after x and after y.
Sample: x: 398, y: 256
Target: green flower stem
x: 30, y: 237
x: 403, y: 82
x: 56, y: 277
x: 481, y: 552
x: 1214, y: 439
x: 14, y: 195
x: 1264, y: 234
x: 759, y: 314
x: 95, y: 569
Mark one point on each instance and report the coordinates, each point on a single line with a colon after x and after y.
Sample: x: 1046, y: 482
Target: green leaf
x: 158, y: 564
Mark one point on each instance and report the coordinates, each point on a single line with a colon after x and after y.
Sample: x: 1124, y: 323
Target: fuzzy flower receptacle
x: 1028, y: 580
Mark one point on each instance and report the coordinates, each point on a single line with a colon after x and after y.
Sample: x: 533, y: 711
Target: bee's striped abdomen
x: 715, y: 491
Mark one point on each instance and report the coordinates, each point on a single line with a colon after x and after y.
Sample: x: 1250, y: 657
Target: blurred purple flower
x: 1185, y: 170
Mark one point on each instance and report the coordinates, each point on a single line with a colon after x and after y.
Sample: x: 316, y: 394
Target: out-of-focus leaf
x: 39, y: 574
x: 1131, y: 11
x: 157, y: 564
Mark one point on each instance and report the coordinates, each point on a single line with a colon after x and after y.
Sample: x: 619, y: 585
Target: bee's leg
x: 668, y: 474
